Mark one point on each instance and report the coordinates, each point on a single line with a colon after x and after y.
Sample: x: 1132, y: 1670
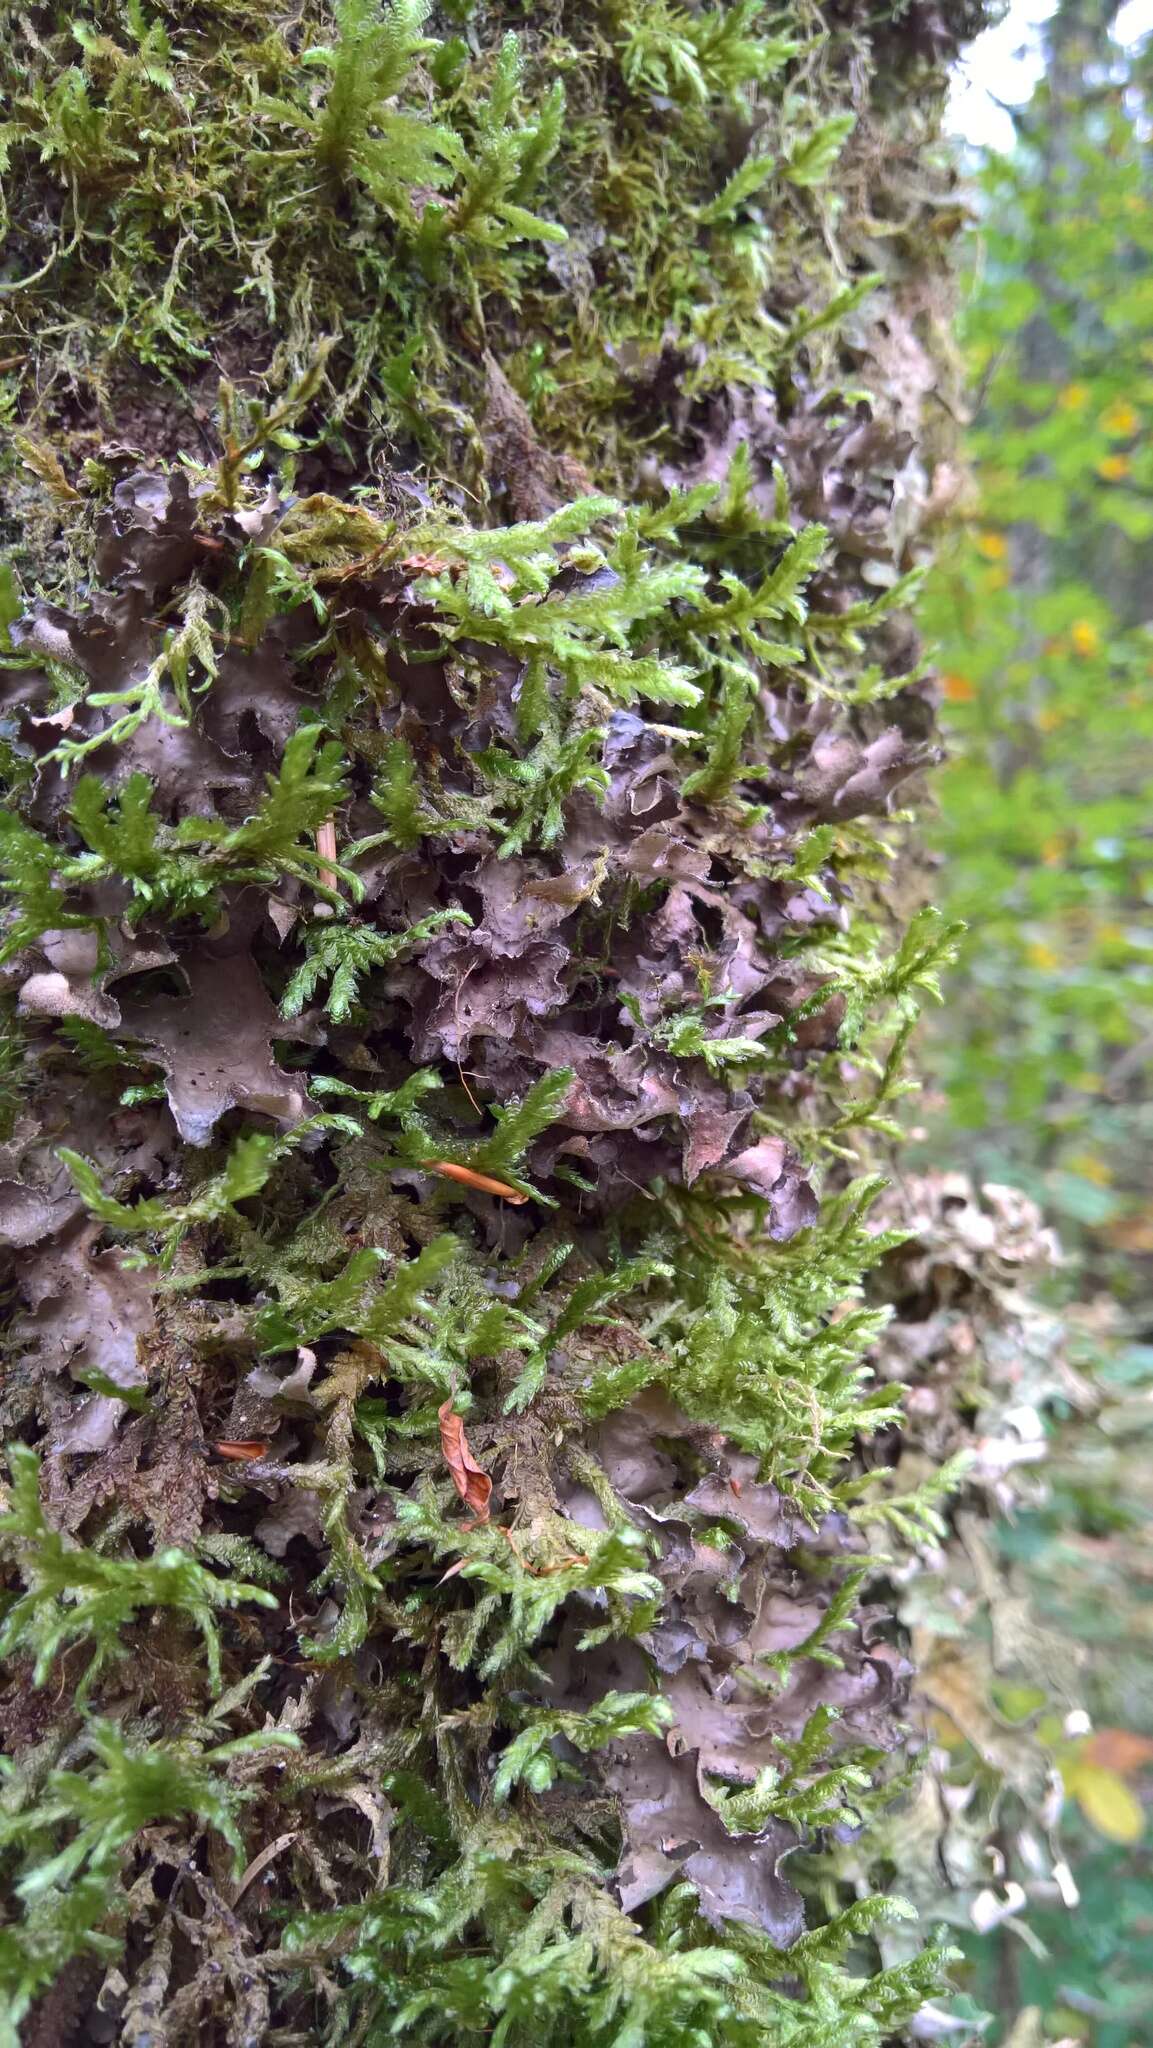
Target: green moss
x: 503, y: 575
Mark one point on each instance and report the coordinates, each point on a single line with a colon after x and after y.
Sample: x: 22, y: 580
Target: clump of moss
x: 450, y: 816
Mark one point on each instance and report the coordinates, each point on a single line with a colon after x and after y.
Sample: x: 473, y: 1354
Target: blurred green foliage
x: 1040, y: 613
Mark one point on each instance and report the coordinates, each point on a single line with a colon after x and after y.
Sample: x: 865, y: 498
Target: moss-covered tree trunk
x: 457, y: 996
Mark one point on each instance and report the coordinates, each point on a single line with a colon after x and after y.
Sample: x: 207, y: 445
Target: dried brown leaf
x: 470, y: 1479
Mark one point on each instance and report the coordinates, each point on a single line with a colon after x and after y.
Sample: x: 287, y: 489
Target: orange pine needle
x: 449, y: 1169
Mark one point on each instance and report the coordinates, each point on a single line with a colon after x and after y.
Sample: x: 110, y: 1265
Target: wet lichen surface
x: 457, y: 1007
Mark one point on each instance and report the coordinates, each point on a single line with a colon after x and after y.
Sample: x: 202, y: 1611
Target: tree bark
x: 456, y: 979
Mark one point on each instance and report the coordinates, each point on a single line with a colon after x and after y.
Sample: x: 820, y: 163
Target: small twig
x: 326, y: 848
x: 349, y: 570
x: 260, y: 1863
x: 456, y: 1028
x: 542, y: 1571
x: 468, y: 1090
x: 1129, y: 1063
